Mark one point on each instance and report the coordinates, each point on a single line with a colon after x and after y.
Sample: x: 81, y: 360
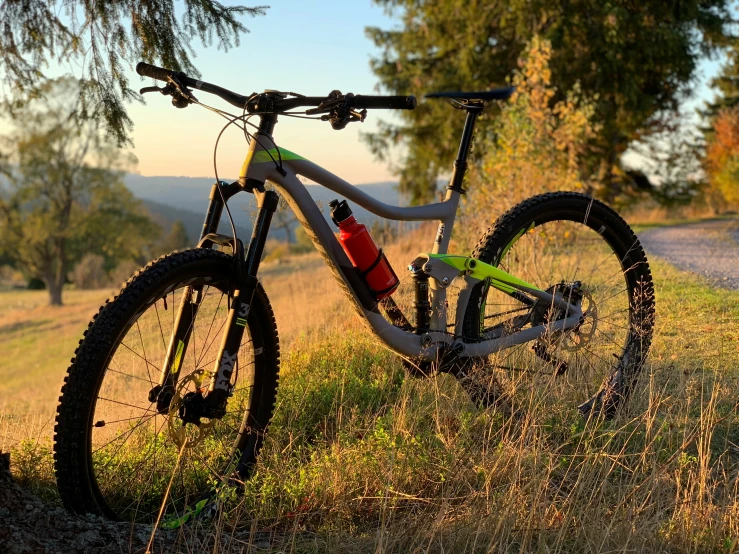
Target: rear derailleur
x: 571, y: 340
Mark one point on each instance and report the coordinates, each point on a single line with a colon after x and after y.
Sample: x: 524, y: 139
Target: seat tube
x: 460, y: 164
x: 444, y: 233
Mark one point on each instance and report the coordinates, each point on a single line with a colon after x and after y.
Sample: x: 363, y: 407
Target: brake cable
x: 339, y: 108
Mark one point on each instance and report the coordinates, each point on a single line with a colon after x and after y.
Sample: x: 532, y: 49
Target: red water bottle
x: 363, y: 252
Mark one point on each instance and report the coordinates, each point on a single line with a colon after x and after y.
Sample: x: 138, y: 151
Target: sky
x: 310, y: 47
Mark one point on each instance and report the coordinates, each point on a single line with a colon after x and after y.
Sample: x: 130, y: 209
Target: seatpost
x: 460, y: 164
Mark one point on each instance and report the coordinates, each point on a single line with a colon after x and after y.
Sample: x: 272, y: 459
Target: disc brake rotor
x: 575, y: 339
x: 180, y: 432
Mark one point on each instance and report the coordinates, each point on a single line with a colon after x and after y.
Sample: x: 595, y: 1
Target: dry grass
x: 361, y: 459
x: 36, y: 344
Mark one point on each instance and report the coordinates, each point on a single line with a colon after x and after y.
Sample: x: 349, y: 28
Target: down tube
x: 442, y: 212
x: 402, y: 342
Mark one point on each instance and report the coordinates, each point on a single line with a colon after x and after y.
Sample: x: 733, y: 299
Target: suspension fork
x: 163, y: 392
x: 227, y: 357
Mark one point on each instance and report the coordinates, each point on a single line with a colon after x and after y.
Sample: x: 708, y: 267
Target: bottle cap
x: 340, y: 211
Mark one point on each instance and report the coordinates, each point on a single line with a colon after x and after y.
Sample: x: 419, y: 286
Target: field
x: 361, y: 458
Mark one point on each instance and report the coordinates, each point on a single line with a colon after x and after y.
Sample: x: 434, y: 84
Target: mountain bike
x: 167, y: 400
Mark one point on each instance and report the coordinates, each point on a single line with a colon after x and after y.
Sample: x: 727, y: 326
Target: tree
x: 722, y: 158
x: 534, y: 147
x: 104, y: 38
x: 672, y: 156
x: 65, y: 195
x: 285, y: 220
x: 726, y: 83
x: 177, y: 238
x: 635, y: 58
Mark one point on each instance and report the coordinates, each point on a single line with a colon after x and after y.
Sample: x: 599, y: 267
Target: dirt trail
x: 27, y: 526
x: 708, y: 248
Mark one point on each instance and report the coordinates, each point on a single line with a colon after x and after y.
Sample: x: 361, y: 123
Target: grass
x: 368, y: 461
x: 362, y: 459
x: 36, y: 343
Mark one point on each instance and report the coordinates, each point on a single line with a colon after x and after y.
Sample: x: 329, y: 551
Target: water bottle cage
x: 363, y: 274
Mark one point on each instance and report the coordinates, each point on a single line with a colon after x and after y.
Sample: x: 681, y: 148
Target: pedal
x: 559, y: 365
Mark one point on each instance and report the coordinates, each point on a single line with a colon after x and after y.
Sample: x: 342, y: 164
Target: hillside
x: 166, y: 215
x: 186, y: 199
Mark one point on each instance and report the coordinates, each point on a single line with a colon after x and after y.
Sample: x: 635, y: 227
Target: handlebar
x: 158, y: 73
x: 253, y: 104
x: 384, y: 102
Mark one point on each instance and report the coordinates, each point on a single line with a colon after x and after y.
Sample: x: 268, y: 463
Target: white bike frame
x: 281, y: 168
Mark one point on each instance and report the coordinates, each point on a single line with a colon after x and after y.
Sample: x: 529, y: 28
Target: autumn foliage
x: 722, y: 157
x: 535, y: 146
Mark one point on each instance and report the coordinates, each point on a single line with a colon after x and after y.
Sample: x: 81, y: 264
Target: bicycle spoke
x: 159, y: 321
x: 557, y: 254
x: 140, y: 356
x: 144, y: 351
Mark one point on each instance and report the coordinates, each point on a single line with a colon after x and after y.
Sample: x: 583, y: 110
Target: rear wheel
x: 115, y: 454
x: 579, y: 247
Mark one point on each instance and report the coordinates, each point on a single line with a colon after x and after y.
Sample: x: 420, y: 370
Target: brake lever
x: 334, y: 100
x: 182, y: 97
x: 151, y: 89
x: 340, y: 121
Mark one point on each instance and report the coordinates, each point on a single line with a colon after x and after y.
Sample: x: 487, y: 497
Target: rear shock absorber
x: 422, y: 304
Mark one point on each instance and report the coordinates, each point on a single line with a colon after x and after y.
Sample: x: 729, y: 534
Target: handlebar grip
x: 148, y: 70
x: 384, y: 102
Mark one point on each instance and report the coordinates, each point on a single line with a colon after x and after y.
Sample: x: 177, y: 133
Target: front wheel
x: 115, y: 453
x: 572, y: 244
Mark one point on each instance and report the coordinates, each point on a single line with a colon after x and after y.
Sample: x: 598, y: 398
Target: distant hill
x: 186, y: 199
x: 165, y: 216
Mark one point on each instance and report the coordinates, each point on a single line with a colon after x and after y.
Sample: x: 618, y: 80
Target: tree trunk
x: 289, y: 233
x: 59, y: 273
x: 55, y: 291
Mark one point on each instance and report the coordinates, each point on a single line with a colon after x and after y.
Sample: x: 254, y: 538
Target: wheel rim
x: 572, y: 367
x: 137, y: 464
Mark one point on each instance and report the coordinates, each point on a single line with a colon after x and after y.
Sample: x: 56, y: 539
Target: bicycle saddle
x: 493, y: 94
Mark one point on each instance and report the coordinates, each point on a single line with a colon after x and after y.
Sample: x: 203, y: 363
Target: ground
x: 708, y: 248
x: 362, y: 460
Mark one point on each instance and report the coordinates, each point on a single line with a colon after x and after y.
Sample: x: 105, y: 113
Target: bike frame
x: 266, y: 163
x: 434, y: 271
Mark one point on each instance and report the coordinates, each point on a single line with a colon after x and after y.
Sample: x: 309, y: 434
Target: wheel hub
x: 183, y: 410
x: 576, y: 338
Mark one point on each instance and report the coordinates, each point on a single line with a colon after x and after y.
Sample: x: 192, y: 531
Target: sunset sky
x: 311, y: 47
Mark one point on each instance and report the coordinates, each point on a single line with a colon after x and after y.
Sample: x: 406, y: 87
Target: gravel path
x: 708, y: 248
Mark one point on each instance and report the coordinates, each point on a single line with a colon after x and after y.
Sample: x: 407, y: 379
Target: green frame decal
x: 177, y: 357
x: 271, y: 155
x: 476, y: 269
x: 264, y: 156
